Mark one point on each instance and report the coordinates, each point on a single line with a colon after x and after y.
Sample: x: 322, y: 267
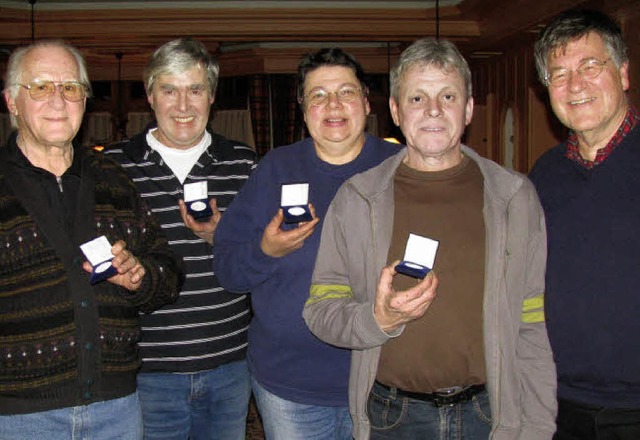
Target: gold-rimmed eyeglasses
x: 318, y: 97
x: 588, y: 69
x: 41, y: 90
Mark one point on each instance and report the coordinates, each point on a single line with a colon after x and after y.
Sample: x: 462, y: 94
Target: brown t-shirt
x: 445, y: 347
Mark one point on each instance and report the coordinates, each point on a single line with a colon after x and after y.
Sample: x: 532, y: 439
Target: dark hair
x: 572, y: 25
x: 327, y: 57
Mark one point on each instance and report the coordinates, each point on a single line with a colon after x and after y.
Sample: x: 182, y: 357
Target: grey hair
x: 430, y: 52
x: 15, y: 69
x: 573, y: 25
x: 178, y: 56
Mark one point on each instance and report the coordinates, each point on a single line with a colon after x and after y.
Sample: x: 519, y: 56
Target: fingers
x: 183, y: 212
x: 314, y: 217
x: 123, y: 260
x: 395, y: 308
x: 86, y: 266
x: 303, y: 231
x: 277, y: 219
x: 278, y: 243
x: 417, y: 295
x: 130, y: 270
x: 204, y: 230
x: 217, y: 215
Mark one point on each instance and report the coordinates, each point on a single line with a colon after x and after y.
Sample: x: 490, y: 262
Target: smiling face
x: 432, y: 110
x: 181, y: 104
x: 594, y: 108
x: 337, y: 128
x: 53, y: 122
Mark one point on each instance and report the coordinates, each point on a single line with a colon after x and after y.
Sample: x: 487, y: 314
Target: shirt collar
x: 573, y: 152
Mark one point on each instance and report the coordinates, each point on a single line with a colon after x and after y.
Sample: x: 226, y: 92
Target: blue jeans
x: 111, y: 419
x: 205, y: 405
x: 286, y: 420
x: 395, y: 418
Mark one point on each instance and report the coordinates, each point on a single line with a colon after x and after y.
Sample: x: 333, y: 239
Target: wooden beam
x: 120, y: 27
x: 500, y: 21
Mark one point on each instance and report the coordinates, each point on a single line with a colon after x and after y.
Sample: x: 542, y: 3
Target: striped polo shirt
x: 207, y: 326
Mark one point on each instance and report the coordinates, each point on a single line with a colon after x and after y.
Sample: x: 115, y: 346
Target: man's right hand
x: 278, y: 243
x: 393, y: 309
x: 204, y: 230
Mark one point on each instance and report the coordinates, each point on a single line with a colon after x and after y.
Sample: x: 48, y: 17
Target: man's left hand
x: 130, y: 271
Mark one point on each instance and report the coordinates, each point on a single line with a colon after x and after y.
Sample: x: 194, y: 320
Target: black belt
x: 444, y: 397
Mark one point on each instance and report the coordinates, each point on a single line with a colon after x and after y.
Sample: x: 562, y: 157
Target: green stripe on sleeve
x: 533, y: 310
x: 533, y: 317
x: 537, y: 302
x: 320, y: 292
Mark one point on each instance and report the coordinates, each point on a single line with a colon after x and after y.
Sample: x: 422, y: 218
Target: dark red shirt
x: 630, y: 121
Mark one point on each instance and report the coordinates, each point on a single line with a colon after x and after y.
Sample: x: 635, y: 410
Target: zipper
x: 59, y: 180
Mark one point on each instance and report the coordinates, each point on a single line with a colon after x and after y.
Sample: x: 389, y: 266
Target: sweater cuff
x: 525, y: 432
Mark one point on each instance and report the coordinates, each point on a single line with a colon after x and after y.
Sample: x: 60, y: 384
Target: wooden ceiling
x: 269, y: 36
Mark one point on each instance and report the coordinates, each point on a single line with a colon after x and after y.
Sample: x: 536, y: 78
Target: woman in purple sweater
x: 300, y: 383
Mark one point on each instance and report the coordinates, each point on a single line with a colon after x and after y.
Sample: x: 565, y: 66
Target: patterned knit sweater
x: 64, y: 342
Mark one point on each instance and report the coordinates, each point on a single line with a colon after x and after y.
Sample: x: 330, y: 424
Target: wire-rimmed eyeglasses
x: 588, y: 69
x: 41, y: 90
x: 318, y: 97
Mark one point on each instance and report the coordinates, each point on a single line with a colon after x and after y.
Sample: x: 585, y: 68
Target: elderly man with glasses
x: 68, y: 331
x: 300, y: 383
x: 589, y: 187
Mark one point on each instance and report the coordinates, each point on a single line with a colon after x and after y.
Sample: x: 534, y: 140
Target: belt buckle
x: 450, y: 396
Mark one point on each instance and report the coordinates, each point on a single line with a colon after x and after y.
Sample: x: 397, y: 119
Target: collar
x: 500, y: 182
x: 14, y: 155
x: 139, y: 149
x: 573, y: 152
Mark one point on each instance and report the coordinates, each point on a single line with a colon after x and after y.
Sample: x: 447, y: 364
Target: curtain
x: 259, y: 105
x: 235, y: 125
x: 137, y: 122
x: 98, y: 129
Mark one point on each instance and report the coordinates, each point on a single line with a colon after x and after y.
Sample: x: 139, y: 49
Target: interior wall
x: 510, y: 78
x: 502, y: 82
x: 631, y: 24
x: 476, y: 133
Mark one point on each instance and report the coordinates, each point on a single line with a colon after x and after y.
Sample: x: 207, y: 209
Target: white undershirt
x: 180, y: 161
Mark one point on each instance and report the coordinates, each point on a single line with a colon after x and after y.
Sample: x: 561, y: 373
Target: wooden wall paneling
x: 476, y: 134
x: 503, y: 78
x: 544, y: 130
x: 133, y: 28
x: 479, y: 135
x: 514, y: 103
x: 491, y: 126
x: 509, y: 77
x: 502, y: 101
x: 521, y: 79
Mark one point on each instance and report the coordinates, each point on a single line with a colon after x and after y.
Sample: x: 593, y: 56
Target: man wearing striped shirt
x: 194, y: 381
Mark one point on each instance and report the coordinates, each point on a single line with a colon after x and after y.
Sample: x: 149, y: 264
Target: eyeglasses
x: 588, y: 69
x: 320, y: 97
x: 41, y: 90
